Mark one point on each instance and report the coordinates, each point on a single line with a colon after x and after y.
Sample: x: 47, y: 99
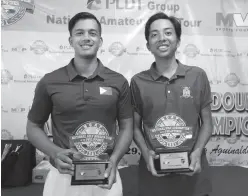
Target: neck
x: 85, y: 67
x: 166, y: 66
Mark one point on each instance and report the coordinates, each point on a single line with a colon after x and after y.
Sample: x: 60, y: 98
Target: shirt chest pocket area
x: 104, y: 98
x: 66, y: 98
x: 189, y: 101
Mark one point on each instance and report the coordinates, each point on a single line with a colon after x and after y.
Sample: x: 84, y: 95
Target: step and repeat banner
x: 215, y: 38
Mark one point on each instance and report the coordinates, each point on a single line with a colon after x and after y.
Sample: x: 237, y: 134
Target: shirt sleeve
x: 135, y: 97
x: 205, y: 91
x: 42, y: 104
x: 124, y: 103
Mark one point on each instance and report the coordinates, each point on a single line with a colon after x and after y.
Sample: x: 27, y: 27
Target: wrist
x: 198, y: 151
x: 145, y: 153
x: 113, y: 160
x: 54, y: 152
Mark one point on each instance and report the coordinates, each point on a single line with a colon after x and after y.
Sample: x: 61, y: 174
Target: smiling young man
x: 171, y: 100
x: 83, y: 97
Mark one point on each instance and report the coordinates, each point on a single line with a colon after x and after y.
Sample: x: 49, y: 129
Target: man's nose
x: 162, y: 37
x: 86, y: 36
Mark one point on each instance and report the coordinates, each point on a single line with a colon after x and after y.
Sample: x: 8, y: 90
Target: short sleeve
x: 42, y: 104
x: 205, y: 91
x: 124, y: 103
x: 135, y: 97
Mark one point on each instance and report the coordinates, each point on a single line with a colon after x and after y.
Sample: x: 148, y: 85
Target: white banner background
x: 215, y: 37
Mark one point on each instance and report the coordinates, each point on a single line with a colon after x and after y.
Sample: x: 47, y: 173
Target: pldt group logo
x: 114, y: 4
x: 94, y: 4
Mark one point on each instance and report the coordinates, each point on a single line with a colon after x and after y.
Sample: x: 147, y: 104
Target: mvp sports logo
x: 232, y: 22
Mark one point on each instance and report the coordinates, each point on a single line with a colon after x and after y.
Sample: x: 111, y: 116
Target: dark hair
x: 83, y: 16
x: 161, y: 15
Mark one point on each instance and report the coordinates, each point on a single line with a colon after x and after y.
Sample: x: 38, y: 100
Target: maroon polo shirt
x: 73, y: 100
x: 171, y: 102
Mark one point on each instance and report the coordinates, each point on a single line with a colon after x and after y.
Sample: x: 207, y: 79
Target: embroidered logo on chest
x: 105, y: 90
x: 186, y: 93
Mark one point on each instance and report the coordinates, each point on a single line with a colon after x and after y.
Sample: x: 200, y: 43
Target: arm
x: 139, y: 138
x: 138, y: 135
x: 40, y: 140
x: 125, y: 136
x: 149, y: 155
x: 124, y: 139
x: 125, y: 122
x: 205, y: 130
x: 203, y: 137
x: 37, y: 116
x: 37, y: 136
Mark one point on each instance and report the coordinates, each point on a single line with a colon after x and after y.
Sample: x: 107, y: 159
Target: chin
x: 87, y: 55
x: 164, y: 56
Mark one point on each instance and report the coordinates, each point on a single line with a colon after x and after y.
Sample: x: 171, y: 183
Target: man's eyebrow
x: 153, y: 31
x: 169, y: 28
x: 86, y: 30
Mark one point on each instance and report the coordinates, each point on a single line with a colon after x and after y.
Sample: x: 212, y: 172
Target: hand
x: 150, y: 156
x: 195, y: 162
x: 110, y: 173
x: 63, y: 162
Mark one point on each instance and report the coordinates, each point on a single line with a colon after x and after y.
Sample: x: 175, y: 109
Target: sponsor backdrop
x: 35, y: 41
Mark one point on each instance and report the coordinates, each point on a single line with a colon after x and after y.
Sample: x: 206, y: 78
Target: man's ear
x: 70, y: 41
x: 178, y: 43
x: 101, y: 42
x: 147, y: 45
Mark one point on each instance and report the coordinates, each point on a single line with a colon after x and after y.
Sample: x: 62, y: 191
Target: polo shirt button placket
x: 87, y: 98
x: 169, y: 95
x: 86, y: 92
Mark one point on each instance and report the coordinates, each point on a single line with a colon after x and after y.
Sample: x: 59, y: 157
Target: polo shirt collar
x: 181, y: 70
x: 72, y: 72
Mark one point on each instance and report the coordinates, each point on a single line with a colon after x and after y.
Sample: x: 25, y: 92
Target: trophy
x: 93, y: 143
x: 172, y: 140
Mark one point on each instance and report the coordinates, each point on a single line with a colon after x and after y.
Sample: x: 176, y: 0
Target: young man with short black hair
x: 83, y: 97
x: 170, y: 100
